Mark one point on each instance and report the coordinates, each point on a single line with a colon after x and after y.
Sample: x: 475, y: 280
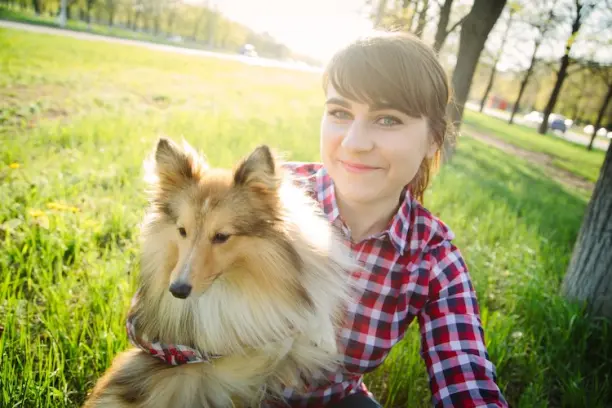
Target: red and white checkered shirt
x: 412, y: 270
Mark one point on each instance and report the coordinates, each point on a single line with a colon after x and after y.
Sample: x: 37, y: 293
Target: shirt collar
x: 398, y: 227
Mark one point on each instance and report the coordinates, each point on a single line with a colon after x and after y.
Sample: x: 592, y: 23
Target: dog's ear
x: 258, y: 170
x: 175, y: 164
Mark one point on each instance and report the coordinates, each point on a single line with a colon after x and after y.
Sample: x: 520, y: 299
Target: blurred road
x: 255, y: 61
x: 570, y: 135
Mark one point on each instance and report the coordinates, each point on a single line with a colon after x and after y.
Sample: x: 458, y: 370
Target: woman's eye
x: 182, y: 232
x: 389, y: 121
x: 340, y: 114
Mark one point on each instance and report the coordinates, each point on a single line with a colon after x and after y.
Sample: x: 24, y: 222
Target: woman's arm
x: 452, y: 338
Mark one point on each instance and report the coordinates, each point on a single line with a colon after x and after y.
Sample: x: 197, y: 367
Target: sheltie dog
x: 240, y: 269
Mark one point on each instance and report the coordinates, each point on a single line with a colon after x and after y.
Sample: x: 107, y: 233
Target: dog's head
x: 220, y: 226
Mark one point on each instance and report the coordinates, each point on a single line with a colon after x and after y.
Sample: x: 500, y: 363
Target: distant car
x: 558, y: 124
x: 534, y: 117
x: 601, y: 132
x: 248, y: 50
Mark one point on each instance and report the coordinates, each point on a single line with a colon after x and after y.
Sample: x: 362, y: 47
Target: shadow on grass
x: 554, y: 336
x: 499, y: 124
x: 541, y: 202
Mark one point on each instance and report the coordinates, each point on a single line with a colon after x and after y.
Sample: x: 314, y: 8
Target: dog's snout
x: 180, y: 290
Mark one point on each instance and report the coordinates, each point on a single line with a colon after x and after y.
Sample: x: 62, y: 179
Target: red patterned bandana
x: 173, y: 354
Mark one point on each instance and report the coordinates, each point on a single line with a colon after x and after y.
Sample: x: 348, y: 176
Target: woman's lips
x: 359, y: 168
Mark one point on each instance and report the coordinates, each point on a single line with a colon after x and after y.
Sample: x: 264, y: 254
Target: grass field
x: 566, y: 155
x: 29, y: 17
x: 77, y: 119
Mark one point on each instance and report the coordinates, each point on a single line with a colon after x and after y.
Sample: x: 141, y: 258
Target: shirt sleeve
x: 452, y: 338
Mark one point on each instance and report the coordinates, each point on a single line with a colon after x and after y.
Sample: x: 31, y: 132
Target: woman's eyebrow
x: 338, y: 101
x: 378, y: 106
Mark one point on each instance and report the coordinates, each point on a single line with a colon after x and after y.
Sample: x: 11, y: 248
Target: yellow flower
x: 14, y: 166
x: 62, y: 207
x: 36, y: 213
x: 39, y: 218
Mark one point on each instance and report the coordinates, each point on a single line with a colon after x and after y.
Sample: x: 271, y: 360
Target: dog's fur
x: 269, y: 299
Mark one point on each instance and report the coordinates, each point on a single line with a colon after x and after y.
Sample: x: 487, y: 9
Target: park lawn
x: 76, y: 120
x: 565, y: 154
x: 29, y: 17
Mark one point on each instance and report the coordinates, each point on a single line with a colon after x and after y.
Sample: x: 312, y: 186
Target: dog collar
x: 173, y: 354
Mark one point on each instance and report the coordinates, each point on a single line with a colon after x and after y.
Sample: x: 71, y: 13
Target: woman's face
x: 371, y: 152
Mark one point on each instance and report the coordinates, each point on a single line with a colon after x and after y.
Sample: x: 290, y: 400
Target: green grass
x: 565, y: 154
x: 29, y: 17
x: 76, y: 120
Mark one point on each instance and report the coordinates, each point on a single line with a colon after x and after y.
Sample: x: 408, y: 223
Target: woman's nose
x: 357, y: 137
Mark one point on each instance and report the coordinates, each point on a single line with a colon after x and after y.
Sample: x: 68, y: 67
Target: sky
x: 312, y: 27
x: 319, y: 27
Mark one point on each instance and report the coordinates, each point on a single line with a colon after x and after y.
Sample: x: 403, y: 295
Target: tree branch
x: 457, y: 24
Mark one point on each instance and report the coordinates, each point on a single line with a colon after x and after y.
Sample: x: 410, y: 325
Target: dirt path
x: 541, y: 159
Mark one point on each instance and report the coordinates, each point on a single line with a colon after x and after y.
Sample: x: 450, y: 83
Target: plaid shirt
x: 412, y: 270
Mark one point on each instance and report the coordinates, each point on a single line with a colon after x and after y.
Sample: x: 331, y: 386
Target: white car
x: 534, y: 117
x: 601, y: 132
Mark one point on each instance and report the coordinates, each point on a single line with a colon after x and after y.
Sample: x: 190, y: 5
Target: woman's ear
x: 433, y: 148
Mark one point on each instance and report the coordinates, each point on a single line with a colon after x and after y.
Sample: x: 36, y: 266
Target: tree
x: 36, y: 4
x: 111, y: 9
x: 589, y: 275
x: 474, y: 32
x: 173, y: 9
x: 441, y: 31
x: 606, y: 76
x: 380, y: 13
x: 582, y: 9
x: 63, y: 15
x: 422, y: 20
x: 513, y: 9
x: 542, y: 27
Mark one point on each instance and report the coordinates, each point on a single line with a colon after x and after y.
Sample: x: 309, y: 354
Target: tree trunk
x: 489, y: 87
x: 525, y: 81
x: 136, y: 21
x: 380, y: 13
x: 63, y: 15
x: 129, y: 18
x: 422, y: 19
x: 495, y: 62
x: 474, y: 32
x: 170, y: 23
x: 156, y: 24
x: 441, y: 32
x: 36, y: 5
x: 88, y: 13
x: 196, y: 27
x: 552, y: 100
x: 413, y: 13
x: 589, y: 275
x: 600, y: 115
x: 577, y: 105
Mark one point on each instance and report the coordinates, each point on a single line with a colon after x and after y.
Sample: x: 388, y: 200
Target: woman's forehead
x: 334, y: 96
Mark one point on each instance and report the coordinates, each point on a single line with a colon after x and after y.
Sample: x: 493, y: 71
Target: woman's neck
x: 366, y: 219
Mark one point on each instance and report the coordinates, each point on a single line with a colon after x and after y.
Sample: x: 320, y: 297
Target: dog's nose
x: 180, y: 290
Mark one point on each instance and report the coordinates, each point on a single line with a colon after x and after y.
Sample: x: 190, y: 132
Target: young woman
x: 381, y: 133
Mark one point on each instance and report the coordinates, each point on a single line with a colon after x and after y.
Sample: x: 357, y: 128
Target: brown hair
x: 402, y: 71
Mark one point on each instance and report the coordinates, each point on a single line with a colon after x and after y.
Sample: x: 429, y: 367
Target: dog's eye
x: 182, y: 231
x: 220, y: 238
